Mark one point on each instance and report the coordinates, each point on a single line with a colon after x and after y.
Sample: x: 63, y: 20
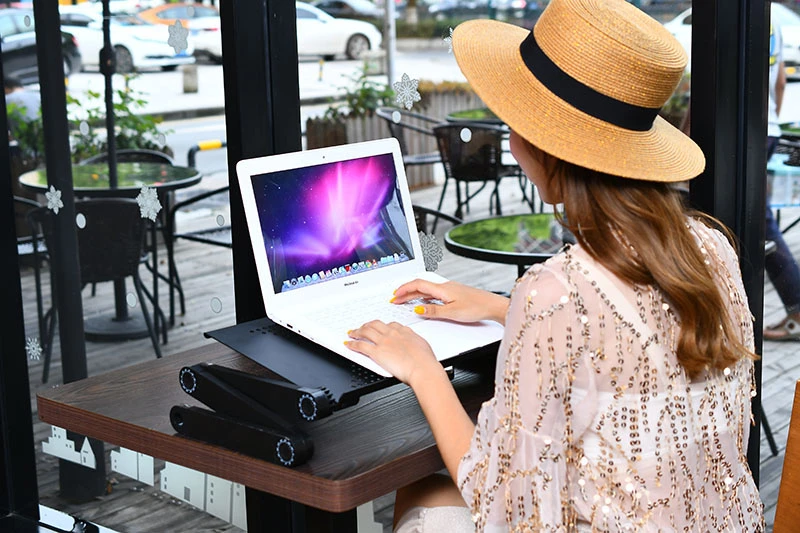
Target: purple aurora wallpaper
x: 331, y: 220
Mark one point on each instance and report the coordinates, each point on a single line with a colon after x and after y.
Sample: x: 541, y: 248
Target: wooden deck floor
x: 134, y: 507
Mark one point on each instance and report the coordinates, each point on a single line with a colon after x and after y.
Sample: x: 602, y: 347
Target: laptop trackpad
x: 452, y: 338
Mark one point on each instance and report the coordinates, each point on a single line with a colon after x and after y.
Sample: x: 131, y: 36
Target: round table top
x: 510, y: 239
x: 480, y: 115
x: 92, y: 179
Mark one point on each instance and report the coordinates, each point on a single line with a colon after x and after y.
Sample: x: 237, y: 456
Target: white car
x: 318, y: 34
x: 137, y: 45
x: 788, y: 20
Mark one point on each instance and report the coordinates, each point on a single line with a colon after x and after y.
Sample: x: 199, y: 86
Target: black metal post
x: 262, y: 111
x: 729, y: 94
x: 19, y: 493
x: 108, y: 67
x: 65, y: 254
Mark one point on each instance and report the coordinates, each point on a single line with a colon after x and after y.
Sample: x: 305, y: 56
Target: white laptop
x: 333, y: 235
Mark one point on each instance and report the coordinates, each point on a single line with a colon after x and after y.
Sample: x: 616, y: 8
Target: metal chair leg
x: 768, y: 433
x: 137, y: 283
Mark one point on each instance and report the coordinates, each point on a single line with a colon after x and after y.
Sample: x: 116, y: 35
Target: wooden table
x: 361, y: 452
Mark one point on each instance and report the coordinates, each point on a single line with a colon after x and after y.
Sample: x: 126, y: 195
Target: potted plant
x: 133, y: 129
x: 356, y: 111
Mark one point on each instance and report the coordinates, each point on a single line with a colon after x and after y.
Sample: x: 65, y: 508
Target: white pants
x: 436, y: 520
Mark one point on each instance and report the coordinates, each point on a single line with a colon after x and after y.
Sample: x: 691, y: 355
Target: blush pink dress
x: 594, y: 426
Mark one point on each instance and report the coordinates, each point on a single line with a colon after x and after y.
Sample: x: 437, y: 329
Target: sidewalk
x: 320, y: 81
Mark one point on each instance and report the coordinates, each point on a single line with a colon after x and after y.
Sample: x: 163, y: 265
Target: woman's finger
x: 362, y: 347
x: 370, y: 331
x: 418, y: 289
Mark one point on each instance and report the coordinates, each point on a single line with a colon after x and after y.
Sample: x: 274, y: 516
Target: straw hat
x: 585, y: 86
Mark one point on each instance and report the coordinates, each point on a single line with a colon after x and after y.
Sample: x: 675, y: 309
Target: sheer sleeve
x: 515, y: 472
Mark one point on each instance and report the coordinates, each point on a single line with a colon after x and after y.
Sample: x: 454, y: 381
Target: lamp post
x: 108, y: 67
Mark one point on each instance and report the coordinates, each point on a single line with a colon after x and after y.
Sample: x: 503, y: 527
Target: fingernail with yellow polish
x: 419, y: 310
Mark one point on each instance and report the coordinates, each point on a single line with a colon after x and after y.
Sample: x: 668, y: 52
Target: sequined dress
x: 594, y: 426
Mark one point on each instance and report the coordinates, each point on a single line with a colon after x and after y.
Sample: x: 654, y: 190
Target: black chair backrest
x: 110, y: 244
x: 23, y: 206
x: 470, y: 151
x: 427, y: 219
x: 130, y: 155
x: 400, y: 120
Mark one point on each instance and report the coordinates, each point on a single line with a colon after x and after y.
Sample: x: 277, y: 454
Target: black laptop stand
x: 268, y: 418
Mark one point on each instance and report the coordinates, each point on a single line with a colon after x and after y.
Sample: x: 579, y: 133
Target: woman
x: 623, y: 382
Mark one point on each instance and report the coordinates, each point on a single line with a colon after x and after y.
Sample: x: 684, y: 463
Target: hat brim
x: 488, y: 54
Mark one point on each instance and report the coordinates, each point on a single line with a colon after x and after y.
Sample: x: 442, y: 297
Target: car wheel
x: 169, y: 68
x: 67, y: 67
x: 124, y: 60
x: 329, y: 57
x: 357, y: 45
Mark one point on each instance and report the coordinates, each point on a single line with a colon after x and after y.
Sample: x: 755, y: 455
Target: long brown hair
x: 609, y: 216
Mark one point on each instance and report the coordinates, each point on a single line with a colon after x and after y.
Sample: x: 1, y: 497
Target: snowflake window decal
x: 54, y: 202
x: 406, y: 90
x: 178, y: 37
x: 432, y: 253
x: 33, y: 348
x: 448, y: 39
x: 149, y: 205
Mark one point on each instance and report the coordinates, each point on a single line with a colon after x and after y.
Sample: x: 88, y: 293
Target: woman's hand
x: 459, y: 302
x: 396, y: 348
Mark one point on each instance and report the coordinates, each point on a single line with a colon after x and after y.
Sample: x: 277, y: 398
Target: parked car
x: 191, y: 15
x: 319, y: 34
x: 448, y: 9
x: 788, y: 20
x: 18, y: 38
x: 136, y: 44
x: 202, y: 21
x: 118, y: 7
x: 349, y: 8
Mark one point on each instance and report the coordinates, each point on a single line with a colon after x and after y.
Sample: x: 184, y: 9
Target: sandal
x: 786, y: 330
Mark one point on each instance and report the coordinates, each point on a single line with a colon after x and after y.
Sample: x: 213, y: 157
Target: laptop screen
x: 331, y: 220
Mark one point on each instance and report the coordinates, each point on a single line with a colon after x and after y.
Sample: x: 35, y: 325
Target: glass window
x: 303, y: 13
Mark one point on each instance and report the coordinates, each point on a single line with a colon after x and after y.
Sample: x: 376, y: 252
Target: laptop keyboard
x: 375, y: 307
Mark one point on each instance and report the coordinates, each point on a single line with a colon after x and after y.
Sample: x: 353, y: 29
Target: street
x: 318, y: 81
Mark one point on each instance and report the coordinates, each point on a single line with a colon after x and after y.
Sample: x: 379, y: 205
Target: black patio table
x: 92, y: 181
x: 521, y: 240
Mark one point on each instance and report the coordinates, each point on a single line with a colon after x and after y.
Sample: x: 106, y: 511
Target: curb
x: 182, y: 114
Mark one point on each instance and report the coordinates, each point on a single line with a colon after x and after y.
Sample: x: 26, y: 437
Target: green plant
x: 133, y: 130
x: 677, y: 105
x: 426, y: 28
x: 29, y: 134
x: 361, y: 98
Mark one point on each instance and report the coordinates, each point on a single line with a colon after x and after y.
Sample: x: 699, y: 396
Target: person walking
x: 780, y: 265
x: 624, y: 379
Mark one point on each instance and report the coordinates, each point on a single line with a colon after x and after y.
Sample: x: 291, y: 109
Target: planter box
x: 321, y: 133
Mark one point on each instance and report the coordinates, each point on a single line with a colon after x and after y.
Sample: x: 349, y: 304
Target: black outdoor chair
x: 472, y: 153
x: 427, y: 219
x: 32, y: 251
x: 219, y: 235
x: 25, y: 235
x: 400, y: 121
x: 110, y: 248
